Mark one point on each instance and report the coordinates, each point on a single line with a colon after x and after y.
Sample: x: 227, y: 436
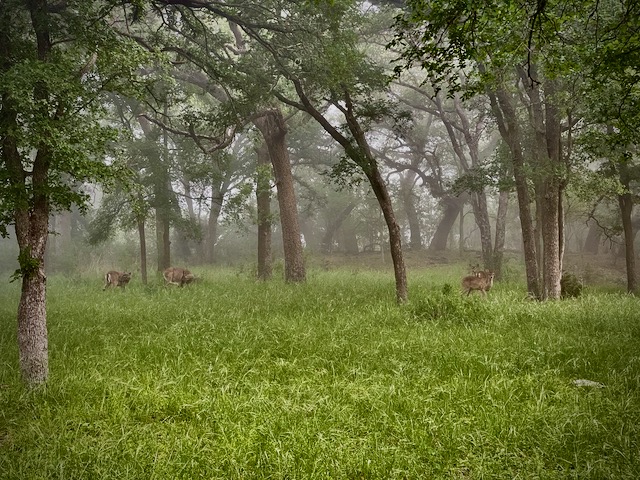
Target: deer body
x: 116, y: 279
x: 178, y: 276
x: 482, y: 281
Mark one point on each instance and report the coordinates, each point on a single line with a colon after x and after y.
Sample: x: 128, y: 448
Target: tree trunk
x: 271, y: 125
x: 481, y: 213
x: 626, y: 207
x: 143, y: 250
x: 334, y: 225
x: 501, y: 224
x: 31, y: 213
x: 509, y: 127
x: 395, y: 235
x: 163, y: 244
x: 409, y: 204
x: 451, y: 211
x: 217, y: 200
x: 263, y: 200
x: 592, y: 242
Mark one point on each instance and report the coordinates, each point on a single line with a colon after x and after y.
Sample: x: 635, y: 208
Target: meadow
x: 232, y: 378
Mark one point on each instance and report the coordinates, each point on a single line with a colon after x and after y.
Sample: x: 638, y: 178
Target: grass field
x: 232, y: 378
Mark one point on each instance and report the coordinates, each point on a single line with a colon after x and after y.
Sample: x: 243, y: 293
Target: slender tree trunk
x: 143, y: 250
x: 501, y: 227
x: 626, y: 207
x: 395, y: 235
x: 212, y: 225
x: 263, y: 200
x: 481, y: 212
x: 162, y: 241
x: 274, y: 131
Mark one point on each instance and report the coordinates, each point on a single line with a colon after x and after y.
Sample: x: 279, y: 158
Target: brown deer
x: 178, y: 276
x: 481, y: 280
x: 116, y: 279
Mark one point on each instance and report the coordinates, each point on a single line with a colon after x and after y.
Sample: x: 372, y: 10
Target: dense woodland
x: 147, y: 134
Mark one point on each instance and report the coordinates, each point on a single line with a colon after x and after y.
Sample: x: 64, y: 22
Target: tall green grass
x: 234, y: 378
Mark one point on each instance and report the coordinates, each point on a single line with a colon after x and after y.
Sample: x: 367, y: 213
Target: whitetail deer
x: 481, y: 280
x: 178, y: 276
x: 116, y: 279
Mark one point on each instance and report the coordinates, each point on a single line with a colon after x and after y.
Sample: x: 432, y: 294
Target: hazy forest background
x: 329, y: 170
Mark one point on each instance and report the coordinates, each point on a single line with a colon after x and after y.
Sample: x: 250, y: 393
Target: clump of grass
x: 233, y: 378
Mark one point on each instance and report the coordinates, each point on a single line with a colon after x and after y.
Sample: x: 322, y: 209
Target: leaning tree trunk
x: 451, y: 211
x: 334, y: 225
x: 395, y: 235
x: 263, y: 201
x: 592, y: 242
x: 271, y: 125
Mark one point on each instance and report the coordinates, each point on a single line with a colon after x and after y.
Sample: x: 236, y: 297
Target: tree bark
x: 263, y: 200
x: 509, y: 127
x: 30, y: 212
x: 271, y: 125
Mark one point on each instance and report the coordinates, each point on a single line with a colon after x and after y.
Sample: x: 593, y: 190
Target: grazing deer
x: 481, y: 280
x: 116, y: 279
x: 178, y: 276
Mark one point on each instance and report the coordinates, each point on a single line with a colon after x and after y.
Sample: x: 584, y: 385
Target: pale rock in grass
x: 581, y: 382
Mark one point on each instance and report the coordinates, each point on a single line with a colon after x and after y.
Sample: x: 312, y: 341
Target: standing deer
x: 481, y: 280
x: 116, y: 279
x: 178, y: 276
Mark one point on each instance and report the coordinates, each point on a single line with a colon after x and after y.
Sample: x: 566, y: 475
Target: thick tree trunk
x: 509, y: 127
x: 263, y: 200
x: 592, y: 242
x: 551, y: 241
x: 451, y: 211
x: 271, y: 125
x: 334, y: 225
x: 31, y: 213
x: 349, y: 241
